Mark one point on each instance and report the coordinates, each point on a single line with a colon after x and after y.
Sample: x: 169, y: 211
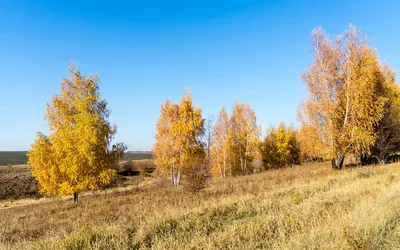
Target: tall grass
x: 307, y: 207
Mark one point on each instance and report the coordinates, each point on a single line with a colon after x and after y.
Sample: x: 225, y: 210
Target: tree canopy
x: 77, y: 155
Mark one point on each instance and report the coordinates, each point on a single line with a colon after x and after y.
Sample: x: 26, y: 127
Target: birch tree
x: 77, y: 155
x: 166, y: 149
x: 387, y: 131
x: 179, y: 144
x: 243, y: 138
x: 344, y: 85
x: 220, y: 146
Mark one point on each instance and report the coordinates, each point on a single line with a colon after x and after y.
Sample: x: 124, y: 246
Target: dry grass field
x: 306, y: 207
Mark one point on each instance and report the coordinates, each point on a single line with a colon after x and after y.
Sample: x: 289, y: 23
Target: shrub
x: 144, y: 173
x: 196, y: 177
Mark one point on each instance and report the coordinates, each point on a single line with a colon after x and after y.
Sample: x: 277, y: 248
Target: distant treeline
x: 19, y: 157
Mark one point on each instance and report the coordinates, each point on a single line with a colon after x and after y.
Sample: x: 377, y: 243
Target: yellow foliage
x: 220, y: 146
x: 76, y: 156
x: 344, y: 84
x: 280, y: 148
x: 178, y: 139
x: 310, y: 145
x: 235, y: 142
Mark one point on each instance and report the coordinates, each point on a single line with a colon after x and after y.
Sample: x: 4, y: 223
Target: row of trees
x: 353, y: 108
x: 78, y: 156
x: 185, y: 146
x: 353, y: 105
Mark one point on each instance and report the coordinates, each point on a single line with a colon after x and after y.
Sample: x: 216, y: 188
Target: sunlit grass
x: 307, y: 207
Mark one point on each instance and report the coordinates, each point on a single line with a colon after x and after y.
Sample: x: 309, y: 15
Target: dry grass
x: 308, y: 207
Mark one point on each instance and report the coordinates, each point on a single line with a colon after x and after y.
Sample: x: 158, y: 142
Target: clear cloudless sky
x: 148, y: 51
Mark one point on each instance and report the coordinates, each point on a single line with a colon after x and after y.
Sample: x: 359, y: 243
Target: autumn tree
x: 269, y: 149
x: 179, y: 144
x: 344, y: 85
x: 243, y: 138
x: 280, y: 147
x: 310, y: 145
x: 76, y: 156
x: 388, y: 129
x: 294, y: 148
x: 166, y: 149
x: 220, y: 146
x: 208, y: 132
x: 190, y: 128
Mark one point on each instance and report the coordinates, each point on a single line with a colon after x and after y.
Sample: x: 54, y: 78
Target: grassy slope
x: 310, y: 207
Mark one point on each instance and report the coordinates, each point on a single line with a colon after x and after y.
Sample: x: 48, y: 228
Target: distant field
x: 19, y: 157
x: 137, y: 156
x: 13, y: 157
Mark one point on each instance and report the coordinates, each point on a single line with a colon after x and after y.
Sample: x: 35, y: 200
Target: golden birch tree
x: 280, y: 147
x: 310, y: 144
x: 77, y: 155
x: 165, y: 150
x: 243, y: 138
x: 179, y: 144
x: 220, y: 148
x: 344, y: 85
x: 190, y: 128
x: 387, y: 131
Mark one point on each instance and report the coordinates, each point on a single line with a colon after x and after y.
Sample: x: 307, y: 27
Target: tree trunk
x: 339, y: 163
x: 178, y: 177
x: 172, y: 176
x: 245, y: 165
x: 75, y: 198
x: 364, y: 159
x: 219, y: 167
x: 220, y: 170
x: 224, y: 165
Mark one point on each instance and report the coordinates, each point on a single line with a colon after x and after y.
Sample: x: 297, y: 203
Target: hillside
x: 306, y: 207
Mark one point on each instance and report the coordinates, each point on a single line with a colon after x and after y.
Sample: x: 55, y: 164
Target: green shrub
x: 144, y: 173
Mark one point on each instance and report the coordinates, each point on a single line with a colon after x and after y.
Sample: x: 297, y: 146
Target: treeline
x: 188, y: 147
x: 353, y: 109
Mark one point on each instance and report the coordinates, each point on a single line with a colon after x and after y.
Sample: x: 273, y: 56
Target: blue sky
x: 148, y: 51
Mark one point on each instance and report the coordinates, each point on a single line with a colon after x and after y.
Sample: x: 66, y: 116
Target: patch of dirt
x: 17, y: 182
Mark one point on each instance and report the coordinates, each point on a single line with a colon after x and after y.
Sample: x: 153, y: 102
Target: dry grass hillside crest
x: 306, y: 207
